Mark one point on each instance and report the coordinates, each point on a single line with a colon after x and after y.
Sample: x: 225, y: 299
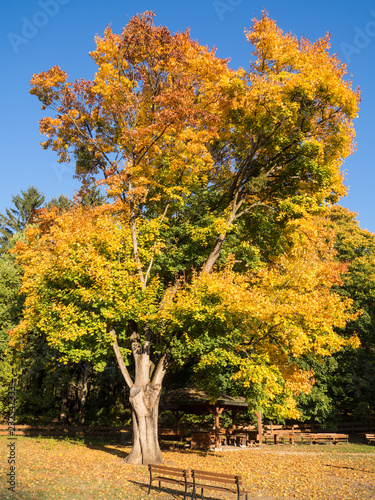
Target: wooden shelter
x: 193, y: 401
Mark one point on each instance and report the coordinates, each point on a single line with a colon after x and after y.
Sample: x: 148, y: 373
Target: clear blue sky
x: 38, y: 34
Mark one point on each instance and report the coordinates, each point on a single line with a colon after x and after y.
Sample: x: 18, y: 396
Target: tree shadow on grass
x: 104, y: 445
x: 350, y: 468
x: 111, y: 444
x: 101, y: 443
x: 175, y: 493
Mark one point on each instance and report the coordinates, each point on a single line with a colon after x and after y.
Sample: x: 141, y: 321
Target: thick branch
x: 207, y: 268
x: 248, y: 209
x: 136, y: 344
x: 135, y: 242
x: 154, y: 247
x: 120, y: 360
x: 161, y: 370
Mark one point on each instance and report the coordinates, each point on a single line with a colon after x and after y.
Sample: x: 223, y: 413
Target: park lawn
x: 92, y: 468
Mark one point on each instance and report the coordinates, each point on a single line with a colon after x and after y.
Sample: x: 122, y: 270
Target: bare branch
x: 161, y: 369
x: 248, y: 209
x: 120, y: 360
x: 154, y: 247
x: 135, y: 241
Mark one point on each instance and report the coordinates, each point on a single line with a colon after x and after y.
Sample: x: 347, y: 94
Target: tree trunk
x: 83, y: 393
x: 144, y: 399
x: 260, y: 430
x: 64, y: 406
x: 145, y: 411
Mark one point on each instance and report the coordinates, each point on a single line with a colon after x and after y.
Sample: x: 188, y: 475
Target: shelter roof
x: 196, y: 401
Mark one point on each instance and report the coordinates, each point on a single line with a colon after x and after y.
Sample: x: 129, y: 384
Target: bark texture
x: 145, y: 410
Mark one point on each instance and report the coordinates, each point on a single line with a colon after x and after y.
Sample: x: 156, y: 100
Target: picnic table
x: 241, y: 439
x: 280, y: 435
x: 237, y: 439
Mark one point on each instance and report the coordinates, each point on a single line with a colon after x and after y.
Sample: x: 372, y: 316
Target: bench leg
x: 194, y: 494
x: 149, y: 486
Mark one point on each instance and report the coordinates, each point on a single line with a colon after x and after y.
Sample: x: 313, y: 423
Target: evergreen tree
x: 16, y: 217
x: 93, y: 197
x: 62, y: 203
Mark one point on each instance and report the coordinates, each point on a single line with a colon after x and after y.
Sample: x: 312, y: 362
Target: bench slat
x: 168, y: 479
x: 215, y: 475
x: 167, y: 469
x: 214, y: 487
x: 211, y: 481
x: 203, y: 477
x: 169, y: 473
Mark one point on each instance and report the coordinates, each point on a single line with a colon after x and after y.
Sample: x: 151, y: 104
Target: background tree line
x: 50, y: 392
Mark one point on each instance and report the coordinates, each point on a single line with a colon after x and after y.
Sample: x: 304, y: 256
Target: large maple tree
x: 196, y: 159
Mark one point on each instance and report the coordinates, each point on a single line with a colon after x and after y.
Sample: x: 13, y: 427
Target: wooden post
x: 177, y: 415
x: 260, y: 431
x: 234, y: 415
x: 178, y: 422
x: 217, y: 412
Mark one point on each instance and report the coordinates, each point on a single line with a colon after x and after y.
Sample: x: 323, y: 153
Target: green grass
x: 351, y: 447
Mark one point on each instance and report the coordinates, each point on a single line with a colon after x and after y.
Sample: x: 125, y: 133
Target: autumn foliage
x: 204, y: 168
x: 262, y: 321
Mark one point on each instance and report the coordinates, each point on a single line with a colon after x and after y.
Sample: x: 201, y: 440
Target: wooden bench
x: 286, y: 437
x: 370, y: 438
x: 328, y: 438
x: 228, y: 483
x: 268, y: 437
x: 341, y: 438
x: 166, y: 474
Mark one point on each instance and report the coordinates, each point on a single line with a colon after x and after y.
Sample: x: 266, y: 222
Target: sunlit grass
x: 93, y: 468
